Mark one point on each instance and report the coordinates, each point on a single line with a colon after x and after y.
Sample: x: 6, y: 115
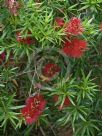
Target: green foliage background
x: 83, y: 86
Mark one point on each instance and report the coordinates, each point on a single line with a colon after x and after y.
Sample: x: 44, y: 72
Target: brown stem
x: 42, y: 131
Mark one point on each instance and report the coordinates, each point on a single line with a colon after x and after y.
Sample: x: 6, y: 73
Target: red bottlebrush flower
x: 13, y: 6
x: 75, y: 48
x: 59, y: 22
x: 50, y: 70
x: 74, y: 26
x: 28, y: 40
x: 34, y: 107
x: 2, y: 57
x: 65, y: 104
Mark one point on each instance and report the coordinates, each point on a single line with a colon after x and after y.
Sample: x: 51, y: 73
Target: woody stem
x: 42, y: 131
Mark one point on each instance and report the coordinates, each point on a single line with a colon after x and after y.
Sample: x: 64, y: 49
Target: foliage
x: 33, y: 33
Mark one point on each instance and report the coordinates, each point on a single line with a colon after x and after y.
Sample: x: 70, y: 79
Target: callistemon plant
x: 50, y: 67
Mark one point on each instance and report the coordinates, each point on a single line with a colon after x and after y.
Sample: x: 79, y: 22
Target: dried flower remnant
x: 38, y: 86
x: 101, y: 26
x: 13, y: 6
x: 33, y: 109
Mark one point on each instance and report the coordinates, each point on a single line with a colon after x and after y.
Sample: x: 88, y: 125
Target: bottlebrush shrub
x: 47, y: 50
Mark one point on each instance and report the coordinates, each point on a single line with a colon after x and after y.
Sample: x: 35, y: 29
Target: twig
x: 53, y: 130
x: 42, y: 131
